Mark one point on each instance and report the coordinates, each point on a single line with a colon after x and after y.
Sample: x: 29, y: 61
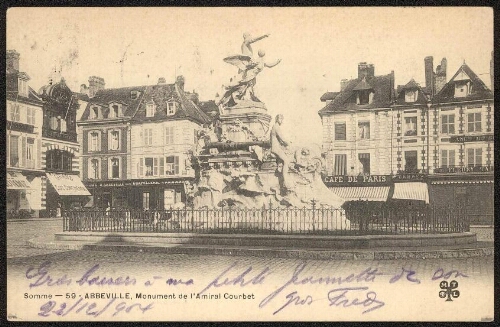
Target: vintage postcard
x: 250, y: 164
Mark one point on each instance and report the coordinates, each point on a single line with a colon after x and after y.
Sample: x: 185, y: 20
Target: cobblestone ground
x: 474, y: 275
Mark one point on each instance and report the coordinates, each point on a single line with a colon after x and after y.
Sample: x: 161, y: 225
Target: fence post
x: 314, y: 214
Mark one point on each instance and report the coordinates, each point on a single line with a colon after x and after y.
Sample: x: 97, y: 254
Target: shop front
x: 142, y: 194
x: 23, y: 194
x: 65, y: 191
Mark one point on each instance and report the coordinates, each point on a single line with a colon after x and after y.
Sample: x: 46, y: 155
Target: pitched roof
x: 422, y: 96
x: 363, y: 85
x: 81, y: 96
x: 160, y: 95
x: 12, y: 81
x: 122, y: 95
x: 478, y: 90
x: 383, y: 88
x: 328, y: 96
x: 209, y: 108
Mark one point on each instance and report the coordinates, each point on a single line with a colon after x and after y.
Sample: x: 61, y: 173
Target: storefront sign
x: 20, y: 127
x: 351, y: 180
x: 471, y: 138
x: 131, y: 183
x: 408, y: 177
x: 460, y: 170
x: 67, y: 184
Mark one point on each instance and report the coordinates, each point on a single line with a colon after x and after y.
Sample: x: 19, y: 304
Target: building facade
x: 61, y: 150
x: 432, y: 144
x: 25, y: 173
x: 136, y: 144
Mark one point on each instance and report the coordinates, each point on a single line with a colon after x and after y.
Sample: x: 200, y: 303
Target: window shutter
x: 176, y: 165
x: 89, y: 168
x: 162, y: 167
x: 109, y: 140
x: 141, y: 137
x: 110, y: 168
x: 23, y: 144
x: 470, y: 156
x: 150, y: 136
x: 451, y: 159
x: 99, y: 135
x: 479, y: 157
x: 155, y: 166
x: 8, y: 149
x: 38, y: 153
x: 141, y: 167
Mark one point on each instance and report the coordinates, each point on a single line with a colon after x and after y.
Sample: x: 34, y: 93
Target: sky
x: 318, y: 47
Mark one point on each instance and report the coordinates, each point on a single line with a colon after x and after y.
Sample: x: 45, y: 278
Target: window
x: 64, y: 127
x: 461, y: 89
x: 114, y: 140
x: 149, y: 163
x: 364, y: 130
x: 145, y: 200
x: 94, y: 169
x: 59, y: 160
x: 448, y: 124
x: 410, y: 126
x: 340, y: 167
x: 171, y: 107
x: 95, y: 142
x: 23, y: 87
x: 30, y: 155
x: 115, y: 168
x: 172, y: 165
x: 114, y: 112
x: 169, y: 135
x: 411, y: 163
x: 53, y: 122
x: 474, y: 122
x: 168, y: 198
x: 30, y: 115
x: 474, y: 157
x: 147, y: 136
x: 364, y: 158
x: 134, y: 95
x: 94, y: 112
x: 340, y: 132
x: 411, y: 95
x: 150, y: 110
x: 14, y: 151
x: 364, y: 97
x: 15, y: 112
x: 447, y: 158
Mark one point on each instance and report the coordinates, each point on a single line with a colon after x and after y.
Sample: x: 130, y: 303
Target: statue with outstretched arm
x: 278, y: 146
x: 246, y: 47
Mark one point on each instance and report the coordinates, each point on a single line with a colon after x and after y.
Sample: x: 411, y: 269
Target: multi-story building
x: 163, y: 136
x: 431, y: 144
x: 136, y: 143
x: 461, y: 169
x: 24, y: 141
x: 60, y: 147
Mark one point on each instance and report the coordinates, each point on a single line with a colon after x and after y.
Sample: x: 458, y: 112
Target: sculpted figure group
x: 241, y: 86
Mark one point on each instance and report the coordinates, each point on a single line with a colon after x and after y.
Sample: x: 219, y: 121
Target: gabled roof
x: 478, y: 90
x: 422, y: 97
x: 105, y: 96
x: 328, y: 96
x: 383, y: 88
x: 161, y: 94
x: 12, y: 88
x: 363, y: 85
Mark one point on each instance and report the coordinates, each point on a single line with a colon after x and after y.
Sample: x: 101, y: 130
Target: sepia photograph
x: 249, y: 164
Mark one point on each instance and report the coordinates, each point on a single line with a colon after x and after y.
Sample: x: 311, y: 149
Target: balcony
x: 63, y: 136
x: 464, y: 169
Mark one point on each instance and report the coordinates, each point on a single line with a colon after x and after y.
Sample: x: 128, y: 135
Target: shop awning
x: 17, y: 181
x: 411, y: 191
x: 67, y: 184
x: 364, y: 193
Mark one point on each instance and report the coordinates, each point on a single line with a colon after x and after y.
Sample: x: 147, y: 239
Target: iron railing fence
x: 357, y: 220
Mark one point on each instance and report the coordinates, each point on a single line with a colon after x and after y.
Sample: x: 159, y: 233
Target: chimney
x: 12, y: 61
x: 440, y: 76
x: 343, y: 84
x: 365, y: 70
x: 429, y: 74
x: 162, y: 81
x: 95, y: 84
x: 180, y: 82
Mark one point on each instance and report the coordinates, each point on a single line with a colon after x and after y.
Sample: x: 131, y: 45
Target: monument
x: 243, y: 162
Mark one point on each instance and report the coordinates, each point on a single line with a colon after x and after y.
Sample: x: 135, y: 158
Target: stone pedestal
x: 254, y: 121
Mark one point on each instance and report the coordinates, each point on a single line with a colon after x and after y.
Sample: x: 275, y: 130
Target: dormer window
x: 411, y: 95
x: 94, y: 112
x: 115, y: 110
x: 150, y: 109
x: 171, y: 108
x: 364, y: 97
x: 462, y: 89
x: 134, y: 95
x: 23, y: 87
